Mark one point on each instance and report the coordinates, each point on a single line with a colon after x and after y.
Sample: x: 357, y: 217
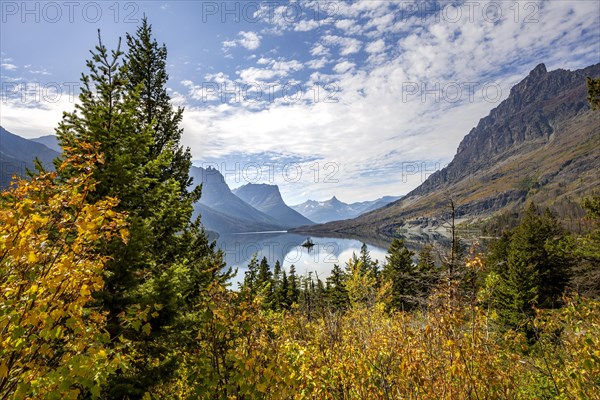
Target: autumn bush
x: 451, y: 350
x: 52, y: 341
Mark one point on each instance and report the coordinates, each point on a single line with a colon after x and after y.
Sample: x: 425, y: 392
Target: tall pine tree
x: 168, y: 260
x: 401, y: 274
x: 335, y: 289
x: 535, y: 271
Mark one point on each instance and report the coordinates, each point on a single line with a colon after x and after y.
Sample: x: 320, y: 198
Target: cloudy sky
x: 355, y: 99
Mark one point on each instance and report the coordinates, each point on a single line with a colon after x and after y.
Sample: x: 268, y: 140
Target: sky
x: 354, y: 99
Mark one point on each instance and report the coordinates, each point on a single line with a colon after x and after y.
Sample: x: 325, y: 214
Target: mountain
x: 222, y: 211
x: 17, y: 155
x: 366, y: 206
x: 541, y: 144
x: 266, y: 198
x: 50, y: 141
x: 325, y: 211
x: 335, y: 210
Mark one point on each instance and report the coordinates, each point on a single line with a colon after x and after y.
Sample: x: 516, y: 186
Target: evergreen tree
x: 586, y: 278
x: 276, y: 287
x: 264, y: 273
x: 146, y: 62
x: 283, y: 290
x: 250, y: 285
x: 336, y: 292
x: 264, y: 283
x: 535, y: 272
x: 426, y: 261
x: 168, y: 261
x: 306, y: 295
x: 293, y: 286
x: 319, y: 296
x: 427, y: 273
x: 365, y: 257
x: 367, y: 261
x: 400, y: 272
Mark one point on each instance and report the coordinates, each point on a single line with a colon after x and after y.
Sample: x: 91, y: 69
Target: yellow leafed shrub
x: 52, y: 342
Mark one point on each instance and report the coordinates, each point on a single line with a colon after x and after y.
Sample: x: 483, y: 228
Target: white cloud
x: 347, y: 45
x: 342, y: 67
x: 306, y: 25
x: 317, y: 63
x: 8, y: 66
x: 35, y: 110
x: 349, y: 26
x: 276, y: 69
x: 319, y: 50
x: 249, y: 40
x: 376, y: 47
x: 263, y: 61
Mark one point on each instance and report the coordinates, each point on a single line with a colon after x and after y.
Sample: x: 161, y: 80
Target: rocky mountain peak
x: 530, y: 112
x: 539, y: 70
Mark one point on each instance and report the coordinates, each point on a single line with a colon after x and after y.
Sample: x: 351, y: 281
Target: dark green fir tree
x: 168, y: 260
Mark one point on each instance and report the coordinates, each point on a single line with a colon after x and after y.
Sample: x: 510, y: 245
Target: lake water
x: 327, y: 251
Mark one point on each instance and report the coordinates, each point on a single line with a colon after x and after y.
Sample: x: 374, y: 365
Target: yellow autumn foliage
x: 52, y: 342
x: 452, y: 350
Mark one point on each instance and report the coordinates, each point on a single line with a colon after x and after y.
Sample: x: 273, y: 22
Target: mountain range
x: 541, y: 144
x: 267, y: 199
x: 223, y: 211
x: 17, y: 155
x: 249, y: 208
x: 335, y: 210
x: 50, y: 141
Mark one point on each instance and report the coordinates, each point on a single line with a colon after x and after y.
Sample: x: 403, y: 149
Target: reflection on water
x: 319, y: 259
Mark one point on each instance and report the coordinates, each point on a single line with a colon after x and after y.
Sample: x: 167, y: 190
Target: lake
x: 327, y: 251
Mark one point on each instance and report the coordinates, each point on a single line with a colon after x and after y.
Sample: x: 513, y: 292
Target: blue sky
x: 354, y: 99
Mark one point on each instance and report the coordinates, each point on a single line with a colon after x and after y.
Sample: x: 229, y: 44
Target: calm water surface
x: 286, y: 247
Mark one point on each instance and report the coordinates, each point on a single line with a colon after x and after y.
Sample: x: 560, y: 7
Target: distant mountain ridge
x: 50, y: 141
x: 267, y: 199
x: 542, y: 144
x: 228, y: 213
x: 335, y: 210
x: 17, y: 155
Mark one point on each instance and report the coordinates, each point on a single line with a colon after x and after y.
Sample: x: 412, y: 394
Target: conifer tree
x: 168, y: 260
x: 365, y: 257
x: 400, y: 272
x: 594, y: 92
x: 586, y: 278
x: 427, y: 273
x: 278, y: 297
x: 426, y: 261
x: 306, y: 300
x: 367, y: 261
x: 250, y: 284
x: 146, y: 62
x: 264, y: 273
x: 264, y: 283
x: 335, y: 289
x: 294, y: 286
x: 535, y: 272
x: 283, y: 290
